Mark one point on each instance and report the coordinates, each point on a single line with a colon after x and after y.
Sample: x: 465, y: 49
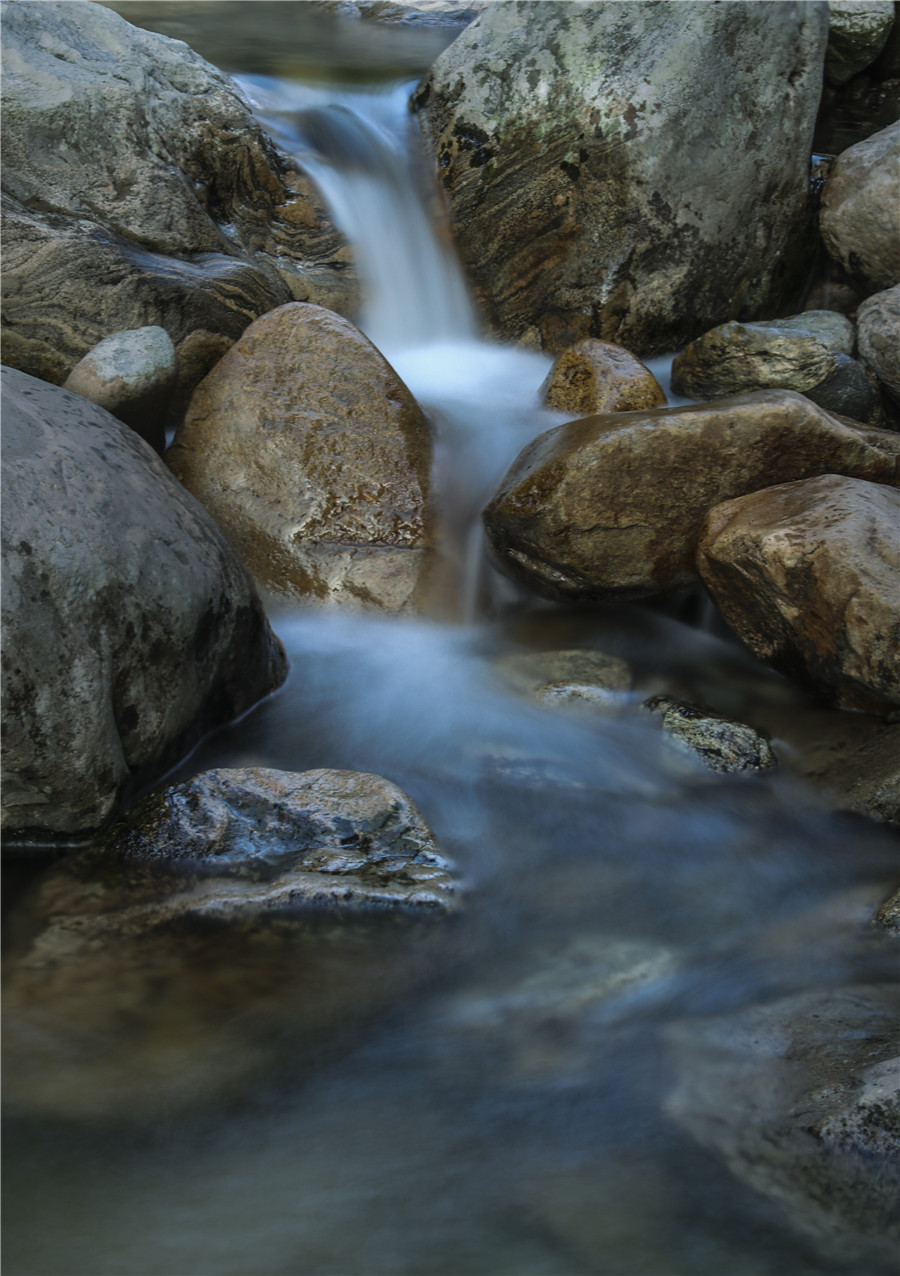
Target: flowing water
x: 498, y: 1099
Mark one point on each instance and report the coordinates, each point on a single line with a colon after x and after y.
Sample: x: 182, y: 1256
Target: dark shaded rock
x: 130, y: 626
x: 848, y: 391
x: 178, y: 212
x: 711, y: 738
x: 879, y: 338
x: 573, y: 142
x: 857, y: 33
x: 314, y: 458
x: 807, y: 575
x: 613, y: 505
x: 800, y: 1098
x: 782, y: 354
x: 859, y: 222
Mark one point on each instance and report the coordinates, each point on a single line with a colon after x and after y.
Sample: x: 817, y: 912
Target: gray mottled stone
x: 878, y: 320
x: 174, y: 210
x: 716, y: 741
x: 783, y: 354
x: 130, y: 626
x: 857, y: 32
x: 859, y: 221
x: 582, y: 677
x: 633, y: 172
x: 132, y: 375
x: 849, y: 391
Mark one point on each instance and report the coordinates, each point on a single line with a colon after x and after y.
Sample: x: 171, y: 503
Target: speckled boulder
x: 130, y: 626
x: 314, y: 458
x: 808, y: 575
x: 859, y: 220
x: 613, y: 505
x: 718, y: 742
x: 594, y: 376
x: 634, y: 172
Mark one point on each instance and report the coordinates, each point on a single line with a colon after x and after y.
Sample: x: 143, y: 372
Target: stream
x: 507, y: 1109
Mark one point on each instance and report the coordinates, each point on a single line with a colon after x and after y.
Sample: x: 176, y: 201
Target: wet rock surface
x: 225, y: 924
x: 879, y: 348
x: 857, y: 32
x: 594, y: 376
x: 858, y: 220
x: 130, y: 626
x: 807, y: 575
x: 547, y: 123
x: 613, y: 505
x: 800, y: 1098
x: 314, y: 458
x: 591, y: 679
x: 850, y: 391
x: 720, y: 744
x: 177, y: 212
x: 132, y: 375
x: 784, y: 354
x: 888, y: 914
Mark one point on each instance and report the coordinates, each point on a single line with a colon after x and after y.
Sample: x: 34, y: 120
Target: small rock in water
x: 888, y: 915
x: 590, y: 678
x: 719, y: 743
x: 131, y: 374
x: 595, y: 376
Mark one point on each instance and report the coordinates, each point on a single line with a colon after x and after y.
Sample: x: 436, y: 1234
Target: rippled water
x: 488, y: 1097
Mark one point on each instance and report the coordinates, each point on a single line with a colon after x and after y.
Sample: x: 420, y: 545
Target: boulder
x: 229, y: 924
x: 139, y: 191
x: 719, y: 743
x: 878, y: 320
x: 799, y: 1097
x: 130, y: 626
x: 850, y: 391
x: 807, y: 575
x: 314, y: 458
x: 594, y: 376
x: 859, y: 221
x: 782, y: 354
x: 132, y: 375
x: 613, y: 505
x: 857, y: 32
x: 633, y: 172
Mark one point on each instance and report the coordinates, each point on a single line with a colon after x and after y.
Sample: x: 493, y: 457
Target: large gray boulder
x: 138, y: 190
x: 130, y: 626
x: 860, y: 217
x: 612, y: 506
x: 635, y: 172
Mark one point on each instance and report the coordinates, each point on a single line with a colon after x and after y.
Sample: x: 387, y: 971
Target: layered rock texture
x: 138, y: 190
x: 130, y: 626
x: 613, y: 505
x: 859, y: 220
x: 634, y: 172
x: 314, y: 458
x: 808, y: 575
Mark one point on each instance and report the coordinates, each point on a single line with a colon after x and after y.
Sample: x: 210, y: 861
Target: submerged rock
x: 711, y: 738
x: 633, y: 172
x: 589, y: 678
x: 228, y: 925
x: 314, y: 458
x: 859, y: 222
x: 132, y: 375
x: 613, y: 505
x: 879, y: 343
x: 177, y: 212
x: 130, y: 626
x: 808, y: 575
x: 594, y: 376
x: 781, y: 354
x: 800, y: 1098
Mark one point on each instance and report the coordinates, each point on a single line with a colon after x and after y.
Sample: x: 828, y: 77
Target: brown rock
x: 613, y: 505
x: 594, y: 376
x: 879, y: 338
x: 314, y: 458
x: 860, y: 217
x: 808, y: 575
